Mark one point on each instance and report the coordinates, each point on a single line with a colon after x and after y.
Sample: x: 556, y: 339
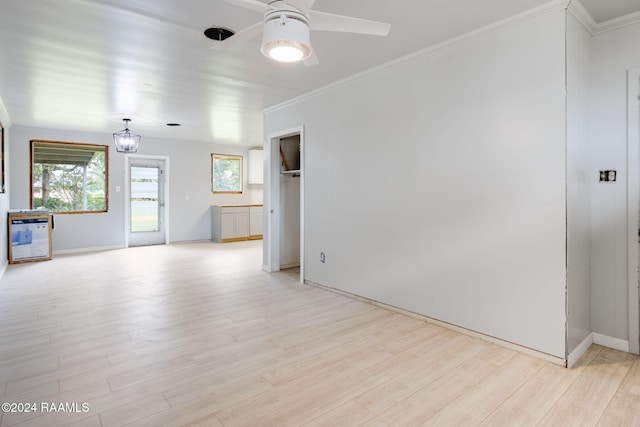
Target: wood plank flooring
x: 197, y: 334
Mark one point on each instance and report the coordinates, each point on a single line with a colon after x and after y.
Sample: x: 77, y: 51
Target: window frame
x: 237, y: 157
x: 98, y: 147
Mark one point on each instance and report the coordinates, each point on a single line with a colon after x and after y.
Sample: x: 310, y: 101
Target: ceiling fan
x: 286, y: 26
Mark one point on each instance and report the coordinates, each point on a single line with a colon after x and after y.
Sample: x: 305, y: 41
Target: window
x: 226, y: 173
x: 69, y: 177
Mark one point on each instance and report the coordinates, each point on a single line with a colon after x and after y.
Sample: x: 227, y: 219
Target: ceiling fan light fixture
x: 125, y: 140
x: 285, y: 51
x: 286, y: 39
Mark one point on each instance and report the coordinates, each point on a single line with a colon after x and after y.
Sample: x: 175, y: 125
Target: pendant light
x: 125, y: 141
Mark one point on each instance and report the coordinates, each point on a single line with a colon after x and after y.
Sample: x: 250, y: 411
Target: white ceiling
x: 86, y: 64
x: 605, y: 10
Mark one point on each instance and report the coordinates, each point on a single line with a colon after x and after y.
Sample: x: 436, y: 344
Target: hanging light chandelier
x: 125, y: 140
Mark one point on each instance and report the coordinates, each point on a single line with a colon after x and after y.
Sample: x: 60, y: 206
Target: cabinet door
x: 241, y: 224
x: 228, y: 226
x: 255, y: 222
x: 255, y: 166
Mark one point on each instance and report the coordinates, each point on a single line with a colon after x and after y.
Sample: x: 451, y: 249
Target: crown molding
x: 614, y: 24
x: 432, y: 51
x: 583, y: 16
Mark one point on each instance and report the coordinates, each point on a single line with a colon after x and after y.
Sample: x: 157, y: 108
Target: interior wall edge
x: 575, y: 355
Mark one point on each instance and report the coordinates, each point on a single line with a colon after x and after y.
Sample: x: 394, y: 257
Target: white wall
x: 190, y: 175
x: 438, y: 184
x: 4, y: 197
x: 579, y: 179
x: 614, y: 53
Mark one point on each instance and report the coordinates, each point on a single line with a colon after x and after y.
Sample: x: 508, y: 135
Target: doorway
x: 146, y: 211
x: 285, y: 198
x: 633, y: 208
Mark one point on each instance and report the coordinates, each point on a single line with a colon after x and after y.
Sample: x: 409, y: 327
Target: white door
x: 147, y: 202
x: 275, y: 211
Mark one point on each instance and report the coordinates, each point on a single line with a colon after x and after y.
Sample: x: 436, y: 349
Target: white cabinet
x: 236, y: 223
x: 255, y: 222
x: 256, y: 161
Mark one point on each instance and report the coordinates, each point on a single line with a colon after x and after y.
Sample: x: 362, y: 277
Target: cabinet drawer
x: 234, y: 209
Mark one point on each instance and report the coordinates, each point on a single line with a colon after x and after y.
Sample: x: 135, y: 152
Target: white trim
x: 488, y: 338
x: 599, y: 339
x: 583, y: 16
x: 287, y: 266
x: 270, y: 192
x: 610, y: 342
x: 4, y: 269
x: 167, y: 196
x: 271, y: 197
x: 577, y: 9
x: 633, y: 205
x: 85, y: 250
x: 579, y: 351
x: 616, y: 23
x: 127, y: 208
x: 431, y: 51
x: 302, y: 204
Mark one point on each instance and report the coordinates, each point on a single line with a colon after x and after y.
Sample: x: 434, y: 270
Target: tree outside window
x: 226, y: 173
x: 69, y: 177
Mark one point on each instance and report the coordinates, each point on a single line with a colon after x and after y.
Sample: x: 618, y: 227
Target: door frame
x: 127, y: 194
x: 633, y: 206
x: 272, y: 198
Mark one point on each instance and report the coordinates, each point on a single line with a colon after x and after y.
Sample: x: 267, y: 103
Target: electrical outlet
x: 323, y: 259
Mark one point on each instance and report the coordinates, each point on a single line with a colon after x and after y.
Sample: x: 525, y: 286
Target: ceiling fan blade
x: 311, y: 60
x: 323, y: 21
x: 301, y: 4
x: 251, y: 4
x: 241, y: 35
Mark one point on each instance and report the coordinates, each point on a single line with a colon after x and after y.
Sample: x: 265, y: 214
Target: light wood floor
x: 197, y: 334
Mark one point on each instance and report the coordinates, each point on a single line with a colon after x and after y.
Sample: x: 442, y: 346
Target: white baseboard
x: 614, y: 343
x: 83, y: 250
x: 287, y: 266
x: 3, y: 269
x: 189, y: 241
x: 513, y: 346
x: 579, y: 351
